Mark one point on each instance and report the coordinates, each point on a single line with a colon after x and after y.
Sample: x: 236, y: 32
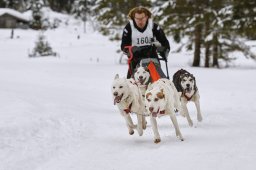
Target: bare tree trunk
x: 84, y: 26
x: 207, y: 54
x: 196, y: 61
x: 215, y: 51
x: 207, y: 43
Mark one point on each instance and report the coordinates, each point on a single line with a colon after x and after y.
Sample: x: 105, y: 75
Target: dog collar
x: 189, y: 98
x: 162, y: 112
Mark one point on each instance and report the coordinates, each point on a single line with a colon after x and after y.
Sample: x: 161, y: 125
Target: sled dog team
x: 162, y: 97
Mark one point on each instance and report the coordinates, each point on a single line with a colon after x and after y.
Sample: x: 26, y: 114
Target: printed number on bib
x: 143, y: 40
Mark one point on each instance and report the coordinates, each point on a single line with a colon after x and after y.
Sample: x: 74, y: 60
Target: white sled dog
x: 142, y: 79
x: 128, y: 99
x: 186, y: 84
x: 162, y: 98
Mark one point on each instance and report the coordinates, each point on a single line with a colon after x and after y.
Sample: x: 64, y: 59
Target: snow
x: 57, y: 113
x: 13, y: 13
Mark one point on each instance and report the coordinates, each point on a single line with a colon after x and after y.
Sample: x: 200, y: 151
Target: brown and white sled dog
x: 161, y: 99
x: 142, y: 79
x: 128, y: 99
x: 186, y: 84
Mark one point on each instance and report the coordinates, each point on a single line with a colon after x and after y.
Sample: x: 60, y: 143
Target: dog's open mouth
x: 118, y: 98
x: 188, y: 89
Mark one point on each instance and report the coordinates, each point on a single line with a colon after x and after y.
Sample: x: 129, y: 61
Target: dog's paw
x: 190, y: 123
x: 140, y: 131
x: 131, y: 132
x: 180, y: 138
x: 157, y: 141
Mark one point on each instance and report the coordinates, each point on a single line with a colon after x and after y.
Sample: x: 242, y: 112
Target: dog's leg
x: 140, y: 123
x: 199, y: 115
x: 177, y: 103
x: 129, y: 123
x: 176, y: 126
x: 155, y: 129
x: 185, y: 111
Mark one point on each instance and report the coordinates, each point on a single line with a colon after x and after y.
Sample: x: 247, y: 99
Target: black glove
x: 163, y: 51
x: 125, y: 51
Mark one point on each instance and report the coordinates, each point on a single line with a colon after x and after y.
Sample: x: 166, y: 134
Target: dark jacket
x: 157, y: 33
x: 146, y: 51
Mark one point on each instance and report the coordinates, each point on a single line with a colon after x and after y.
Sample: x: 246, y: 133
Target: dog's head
x: 188, y: 82
x: 155, y: 101
x: 120, y: 89
x: 141, y: 75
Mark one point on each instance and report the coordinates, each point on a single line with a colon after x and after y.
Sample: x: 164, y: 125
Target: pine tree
x: 244, y: 17
x: 2, y: 3
x: 37, y: 14
x: 13, y: 4
x: 209, y: 24
x: 82, y: 9
x: 42, y: 48
x: 61, y: 5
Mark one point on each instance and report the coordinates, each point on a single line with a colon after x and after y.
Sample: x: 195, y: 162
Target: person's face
x: 140, y: 20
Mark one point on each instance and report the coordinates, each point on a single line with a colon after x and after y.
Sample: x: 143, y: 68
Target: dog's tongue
x: 188, y: 90
x: 116, y: 100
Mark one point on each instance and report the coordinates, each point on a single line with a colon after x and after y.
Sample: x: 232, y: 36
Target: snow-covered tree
x: 82, y: 9
x: 208, y: 24
x: 61, y: 5
x: 42, y: 48
x: 244, y: 17
x: 37, y: 14
x: 13, y: 4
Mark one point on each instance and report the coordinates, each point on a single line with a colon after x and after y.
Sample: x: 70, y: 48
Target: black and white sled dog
x: 185, y: 83
x: 142, y: 78
x: 161, y: 99
x: 127, y: 97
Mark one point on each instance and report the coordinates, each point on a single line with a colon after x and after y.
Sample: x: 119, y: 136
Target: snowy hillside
x: 57, y: 113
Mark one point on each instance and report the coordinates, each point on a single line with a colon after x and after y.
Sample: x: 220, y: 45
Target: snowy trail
x: 58, y: 113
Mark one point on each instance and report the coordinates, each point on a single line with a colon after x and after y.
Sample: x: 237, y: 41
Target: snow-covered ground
x: 57, y: 113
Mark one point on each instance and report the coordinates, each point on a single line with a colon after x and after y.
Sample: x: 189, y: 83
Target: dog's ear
x: 148, y: 94
x: 160, y: 94
x: 195, y: 86
x: 138, y: 65
x: 117, y: 76
x: 146, y: 69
